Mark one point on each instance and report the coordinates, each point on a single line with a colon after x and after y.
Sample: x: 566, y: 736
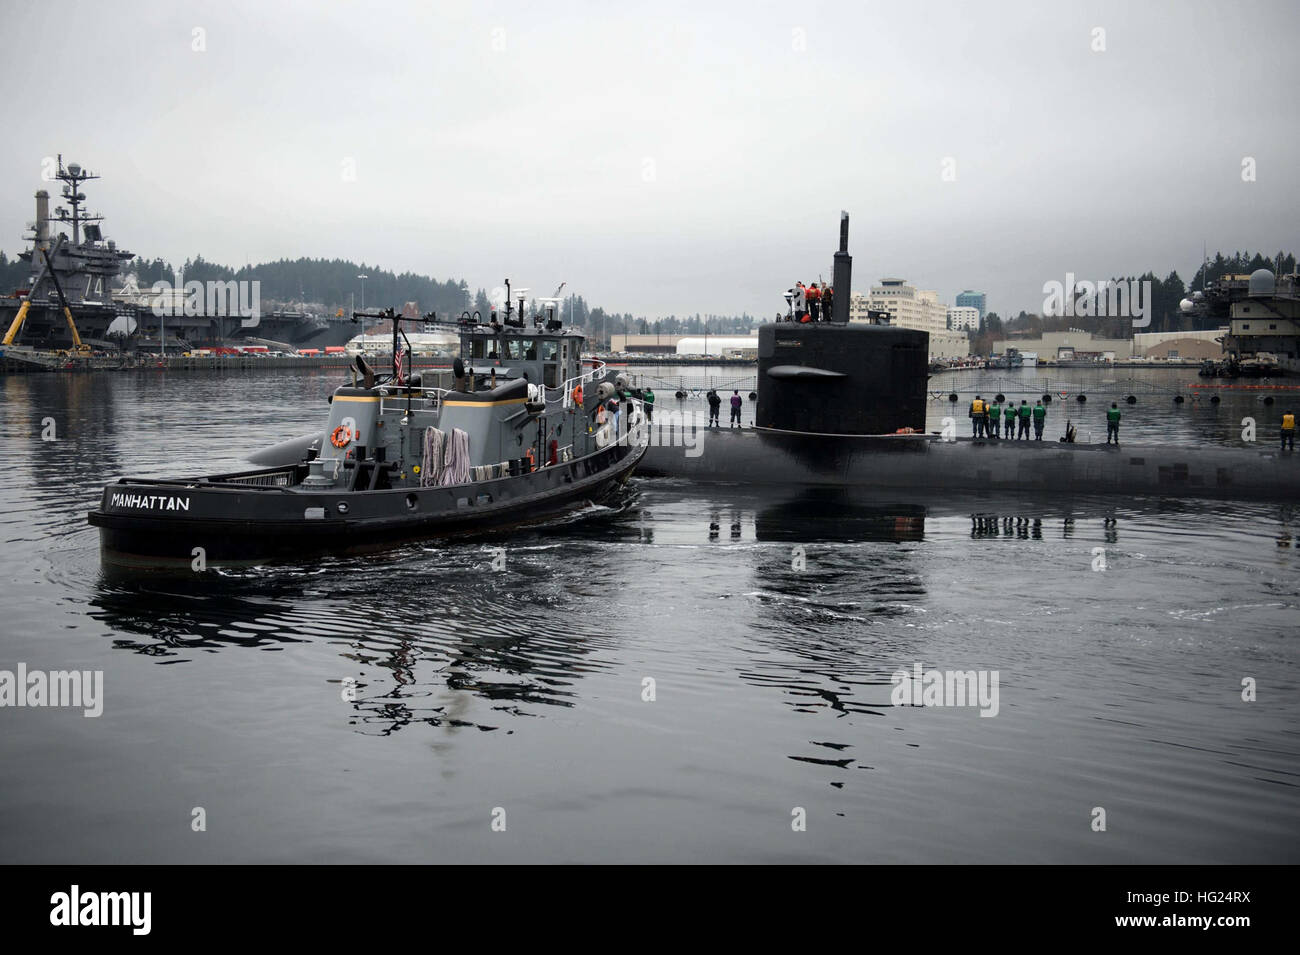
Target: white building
x: 964, y: 317
x: 949, y: 345
x: 910, y: 307
x: 423, y: 344
x: 727, y: 346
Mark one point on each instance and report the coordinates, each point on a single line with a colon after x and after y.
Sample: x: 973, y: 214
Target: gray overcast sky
x: 668, y: 158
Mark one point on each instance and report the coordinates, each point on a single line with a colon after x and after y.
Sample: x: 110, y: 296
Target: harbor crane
x: 78, y: 347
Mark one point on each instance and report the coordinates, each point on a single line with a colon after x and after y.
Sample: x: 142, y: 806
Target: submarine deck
x: 926, y: 461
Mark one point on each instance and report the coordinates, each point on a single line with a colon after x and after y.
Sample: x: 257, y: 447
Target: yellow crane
x: 78, y: 347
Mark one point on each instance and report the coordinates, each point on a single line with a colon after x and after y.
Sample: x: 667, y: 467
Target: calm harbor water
x: 521, y: 694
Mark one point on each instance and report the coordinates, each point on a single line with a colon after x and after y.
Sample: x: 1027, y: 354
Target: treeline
x: 331, y: 282
x: 335, y: 283
x: 13, y: 274
x: 1241, y: 263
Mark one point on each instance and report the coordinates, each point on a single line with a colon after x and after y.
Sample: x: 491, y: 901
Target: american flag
x: 400, y: 361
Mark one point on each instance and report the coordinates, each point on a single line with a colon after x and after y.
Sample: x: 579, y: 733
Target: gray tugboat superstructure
x: 524, y: 433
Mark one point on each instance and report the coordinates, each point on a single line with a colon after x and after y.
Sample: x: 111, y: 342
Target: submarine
x: 843, y: 404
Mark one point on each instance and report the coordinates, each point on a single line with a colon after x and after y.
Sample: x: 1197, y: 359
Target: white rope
x: 456, y: 460
x: 431, y: 463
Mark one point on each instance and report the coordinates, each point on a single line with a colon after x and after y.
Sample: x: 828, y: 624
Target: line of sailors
x: 988, y: 419
x: 811, y: 303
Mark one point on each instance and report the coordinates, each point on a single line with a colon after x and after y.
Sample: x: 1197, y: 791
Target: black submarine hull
x: 187, y: 524
x: 927, y: 462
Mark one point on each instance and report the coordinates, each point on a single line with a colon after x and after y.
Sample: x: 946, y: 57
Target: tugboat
x: 524, y: 434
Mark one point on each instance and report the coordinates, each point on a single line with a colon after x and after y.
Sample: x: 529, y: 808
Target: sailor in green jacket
x: 1025, y: 413
x: 1112, y: 423
x: 1040, y: 419
x: 1009, y: 420
x: 649, y: 403
x: 995, y: 418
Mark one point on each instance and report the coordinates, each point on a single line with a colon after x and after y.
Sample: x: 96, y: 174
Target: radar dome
x: 74, y: 168
x: 1261, y: 282
x: 1186, y: 305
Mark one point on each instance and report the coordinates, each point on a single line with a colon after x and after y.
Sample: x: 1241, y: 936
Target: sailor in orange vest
x: 977, y: 417
x: 1288, y: 432
x: 814, y: 296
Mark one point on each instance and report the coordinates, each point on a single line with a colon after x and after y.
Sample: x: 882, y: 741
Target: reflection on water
x: 768, y: 623
x: 426, y: 624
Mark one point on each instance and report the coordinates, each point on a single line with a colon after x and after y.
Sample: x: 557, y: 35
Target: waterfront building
x: 964, y: 317
x: 969, y: 299
x: 1072, y: 345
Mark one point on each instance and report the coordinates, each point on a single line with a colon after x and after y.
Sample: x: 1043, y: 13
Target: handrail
x: 596, y: 374
x: 432, y: 395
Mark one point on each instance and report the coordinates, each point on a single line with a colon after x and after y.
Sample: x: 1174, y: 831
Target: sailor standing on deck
x: 736, y: 402
x: 715, y: 402
x: 995, y: 418
x: 814, y: 296
x: 977, y: 417
x: 1288, y: 431
x: 1112, y: 423
x: 1040, y: 419
x: 828, y: 302
x: 800, y: 302
x: 649, y: 401
x: 1009, y: 424
x: 1025, y: 414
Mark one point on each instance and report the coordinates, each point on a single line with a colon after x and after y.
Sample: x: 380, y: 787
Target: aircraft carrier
x: 112, y: 313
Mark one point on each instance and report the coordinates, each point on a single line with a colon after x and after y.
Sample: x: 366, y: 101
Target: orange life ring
x: 341, y: 437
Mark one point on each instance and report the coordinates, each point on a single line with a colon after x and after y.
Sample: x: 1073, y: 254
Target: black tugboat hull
x: 190, y: 524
